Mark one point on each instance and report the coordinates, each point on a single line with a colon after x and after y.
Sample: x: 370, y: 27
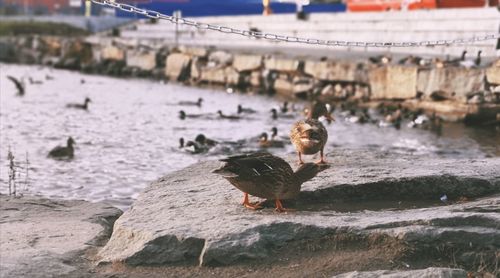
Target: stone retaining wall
x: 453, y: 93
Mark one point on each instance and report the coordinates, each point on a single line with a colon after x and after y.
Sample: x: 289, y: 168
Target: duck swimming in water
x: 183, y: 115
x: 310, y: 136
x: 197, y: 147
x: 245, y: 110
x: 83, y: 106
x: 284, y: 107
x: 202, y: 139
x: 274, y: 135
x: 191, y: 103
x: 34, y: 82
x: 181, y: 143
x: 275, y: 115
x: 266, y: 176
x: 264, y: 142
x: 63, y: 152
x: 228, y: 117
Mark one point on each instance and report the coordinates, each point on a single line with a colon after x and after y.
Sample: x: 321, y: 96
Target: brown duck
x: 310, y: 136
x: 266, y: 176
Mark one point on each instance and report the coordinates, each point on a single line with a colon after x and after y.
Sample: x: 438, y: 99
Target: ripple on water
x: 129, y: 136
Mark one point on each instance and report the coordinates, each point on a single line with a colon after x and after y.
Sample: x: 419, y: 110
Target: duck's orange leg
x: 300, y: 159
x: 247, y: 204
x: 280, y: 208
x: 322, y: 160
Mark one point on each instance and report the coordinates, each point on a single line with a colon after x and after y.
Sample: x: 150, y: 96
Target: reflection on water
x: 130, y: 134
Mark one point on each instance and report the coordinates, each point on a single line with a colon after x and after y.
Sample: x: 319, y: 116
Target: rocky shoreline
x: 370, y: 211
x: 449, y: 91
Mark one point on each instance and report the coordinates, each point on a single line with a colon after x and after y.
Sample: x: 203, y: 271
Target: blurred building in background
x: 391, y: 5
x: 47, y: 7
x: 193, y: 8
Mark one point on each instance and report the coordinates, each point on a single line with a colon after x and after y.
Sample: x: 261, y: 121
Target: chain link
x: 283, y: 38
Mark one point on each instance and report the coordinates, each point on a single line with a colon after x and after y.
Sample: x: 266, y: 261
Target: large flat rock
x: 193, y: 215
x: 419, y: 273
x: 44, y: 238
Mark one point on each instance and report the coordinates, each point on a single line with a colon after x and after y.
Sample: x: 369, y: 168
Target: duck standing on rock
x: 84, y: 106
x: 63, y: 152
x: 310, y: 136
x: 266, y: 176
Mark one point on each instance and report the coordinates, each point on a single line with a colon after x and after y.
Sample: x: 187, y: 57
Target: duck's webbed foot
x: 246, y: 203
x: 280, y: 208
x: 322, y: 160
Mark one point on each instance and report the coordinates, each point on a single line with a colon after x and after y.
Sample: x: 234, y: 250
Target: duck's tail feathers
x: 307, y: 171
x: 226, y: 173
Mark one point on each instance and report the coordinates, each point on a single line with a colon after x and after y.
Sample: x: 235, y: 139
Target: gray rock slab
x: 193, y: 215
x: 43, y: 238
x: 431, y: 272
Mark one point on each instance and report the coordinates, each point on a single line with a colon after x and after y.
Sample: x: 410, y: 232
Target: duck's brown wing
x: 259, y: 174
x: 322, y: 133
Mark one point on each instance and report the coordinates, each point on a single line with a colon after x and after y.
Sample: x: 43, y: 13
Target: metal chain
x: 284, y: 38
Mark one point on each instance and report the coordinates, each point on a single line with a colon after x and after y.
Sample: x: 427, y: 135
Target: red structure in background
x: 465, y: 3
x: 50, y: 5
x: 387, y: 5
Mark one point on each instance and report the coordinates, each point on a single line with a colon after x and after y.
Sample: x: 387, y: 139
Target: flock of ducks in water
x: 260, y: 173
x: 58, y: 152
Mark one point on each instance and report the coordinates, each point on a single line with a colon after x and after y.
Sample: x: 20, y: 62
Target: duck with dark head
x: 284, y: 107
x: 246, y: 110
x: 275, y: 115
x: 197, y: 147
x: 274, y: 133
x: 227, y: 117
x: 183, y: 115
x: 191, y: 103
x: 63, y: 152
x: 84, y: 106
x: 264, y: 142
x: 203, y: 140
x: 266, y: 176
